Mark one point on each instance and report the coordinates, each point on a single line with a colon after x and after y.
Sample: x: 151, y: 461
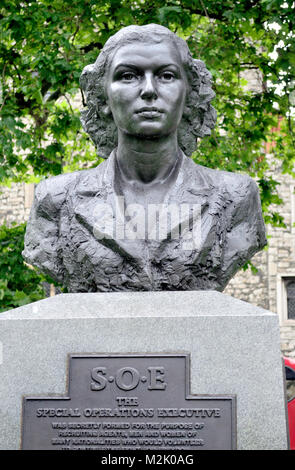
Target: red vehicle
x: 290, y: 380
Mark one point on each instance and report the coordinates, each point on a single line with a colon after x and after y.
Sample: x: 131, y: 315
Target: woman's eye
x: 167, y: 76
x: 128, y: 76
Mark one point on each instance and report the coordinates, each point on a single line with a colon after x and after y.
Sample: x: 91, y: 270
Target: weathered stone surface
x: 15, y: 203
x: 234, y: 349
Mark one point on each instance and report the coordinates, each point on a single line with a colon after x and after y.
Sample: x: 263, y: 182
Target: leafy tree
x: 46, y: 43
x: 19, y: 284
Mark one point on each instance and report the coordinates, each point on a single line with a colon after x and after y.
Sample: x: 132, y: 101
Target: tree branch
x: 204, y: 11
x: 91, y: 46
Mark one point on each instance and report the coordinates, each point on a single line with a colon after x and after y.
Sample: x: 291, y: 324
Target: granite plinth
x: 234, y: 349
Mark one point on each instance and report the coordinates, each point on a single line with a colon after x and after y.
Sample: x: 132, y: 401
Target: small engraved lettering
x: 121, y: 377
x: 99, y: 381
x: 157, y: 378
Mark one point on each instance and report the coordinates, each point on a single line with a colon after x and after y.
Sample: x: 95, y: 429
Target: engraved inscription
x: 129, y: 402
x: 100, y: 380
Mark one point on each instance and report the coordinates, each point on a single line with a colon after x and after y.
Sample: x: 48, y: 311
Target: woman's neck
x: 147, y: 161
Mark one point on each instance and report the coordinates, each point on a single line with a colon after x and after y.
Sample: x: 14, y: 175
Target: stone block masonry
x: 15, y: 202
x: 275, y: 265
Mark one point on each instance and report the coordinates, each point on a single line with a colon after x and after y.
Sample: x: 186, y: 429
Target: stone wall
x: 252, y: 288
x: 266, y: 288
x: 15, y: 202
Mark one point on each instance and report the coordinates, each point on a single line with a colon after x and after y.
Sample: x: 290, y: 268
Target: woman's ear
x: 106, y: 110
x: 186, y: 112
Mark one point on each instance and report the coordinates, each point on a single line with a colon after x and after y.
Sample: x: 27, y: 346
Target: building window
x: 286, y: 297
x: 290, y: 291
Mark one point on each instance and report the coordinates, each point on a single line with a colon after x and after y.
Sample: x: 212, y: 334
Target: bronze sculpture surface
x: 148, y: 217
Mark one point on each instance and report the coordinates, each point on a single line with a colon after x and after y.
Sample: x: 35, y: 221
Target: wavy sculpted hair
x: 199, y: 116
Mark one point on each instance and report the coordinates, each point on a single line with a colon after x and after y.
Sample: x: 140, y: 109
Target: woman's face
x: 146, y: 89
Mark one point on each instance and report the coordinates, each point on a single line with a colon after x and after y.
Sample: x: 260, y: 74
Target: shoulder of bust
x: 235, y: 184
x: 53, y: 191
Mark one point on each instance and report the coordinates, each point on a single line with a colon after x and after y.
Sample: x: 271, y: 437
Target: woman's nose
x: 148, y: 90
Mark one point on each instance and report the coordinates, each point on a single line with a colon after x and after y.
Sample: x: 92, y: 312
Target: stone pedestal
x: 233, y: 346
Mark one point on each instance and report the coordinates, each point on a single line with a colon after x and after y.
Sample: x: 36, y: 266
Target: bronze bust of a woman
x: 148, y: 217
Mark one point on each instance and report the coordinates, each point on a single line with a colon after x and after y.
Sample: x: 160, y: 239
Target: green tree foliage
x: 19, y: 284
x: 46, y: 43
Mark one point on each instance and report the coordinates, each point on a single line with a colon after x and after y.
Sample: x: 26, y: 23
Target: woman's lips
x: 149, y: 112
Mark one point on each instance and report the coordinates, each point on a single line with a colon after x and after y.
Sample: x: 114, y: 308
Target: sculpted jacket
x: 70, y: 238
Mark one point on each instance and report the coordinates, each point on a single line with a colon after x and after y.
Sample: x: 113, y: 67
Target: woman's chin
x: 150, y: 132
